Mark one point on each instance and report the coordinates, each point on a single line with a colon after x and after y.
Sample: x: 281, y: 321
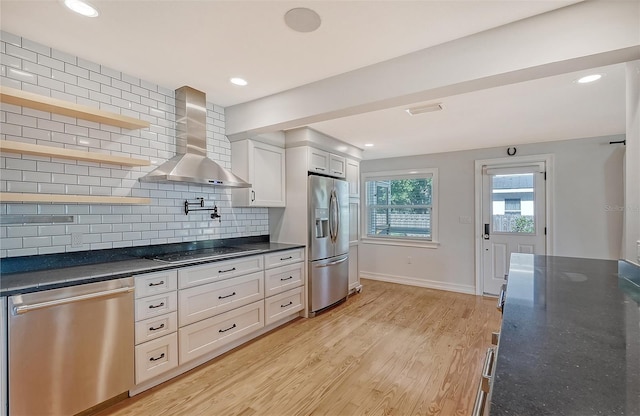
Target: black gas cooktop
x: 203, y: 254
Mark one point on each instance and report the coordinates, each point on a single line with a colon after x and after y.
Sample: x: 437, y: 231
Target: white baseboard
x: 412, y: 281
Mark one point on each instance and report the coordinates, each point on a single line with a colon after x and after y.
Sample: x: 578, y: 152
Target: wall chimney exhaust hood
x: 191, y: 164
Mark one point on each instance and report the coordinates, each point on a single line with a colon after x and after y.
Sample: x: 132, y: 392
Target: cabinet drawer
x: 281, y: 258
x: 156, y: 305
x: 156, y: 327
x: 155, y: 357
x: 283, y: 278
x: 201, y: 302
x: 205, y: 336
x: 156, y: 283
x: 207, y: 273
x: 283, y: 305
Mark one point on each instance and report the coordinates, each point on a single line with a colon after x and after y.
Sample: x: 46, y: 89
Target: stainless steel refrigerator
x: 328, y: 242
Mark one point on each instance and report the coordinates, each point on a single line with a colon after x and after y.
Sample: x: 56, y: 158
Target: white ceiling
x: 204, y: 43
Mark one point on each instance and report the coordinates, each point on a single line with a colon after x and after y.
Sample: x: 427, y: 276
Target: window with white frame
x: 401, y: 205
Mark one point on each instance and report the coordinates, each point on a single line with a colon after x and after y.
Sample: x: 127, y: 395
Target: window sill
x: 400, y: 242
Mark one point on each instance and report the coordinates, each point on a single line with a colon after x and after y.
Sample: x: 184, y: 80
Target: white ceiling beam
x: 581, y: 36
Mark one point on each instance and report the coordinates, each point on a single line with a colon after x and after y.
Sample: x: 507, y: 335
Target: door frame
x: 548, y: 159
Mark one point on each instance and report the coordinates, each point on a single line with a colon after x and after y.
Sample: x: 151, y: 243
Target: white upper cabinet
x: 353, y: 177
x: 337, y: 165
x: 318, y: 161
x: 263, y: 166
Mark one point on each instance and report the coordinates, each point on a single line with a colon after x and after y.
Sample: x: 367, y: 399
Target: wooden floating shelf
x: 57, y: 152
x: 54, y: 105
x: 81, y: 199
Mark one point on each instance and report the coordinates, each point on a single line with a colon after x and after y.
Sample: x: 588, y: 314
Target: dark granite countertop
x: 35, y: 273
x: 570, y: 339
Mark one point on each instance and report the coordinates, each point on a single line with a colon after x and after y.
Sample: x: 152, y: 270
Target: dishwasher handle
x: 21, y: 309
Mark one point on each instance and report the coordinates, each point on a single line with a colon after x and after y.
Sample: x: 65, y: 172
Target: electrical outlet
x: 76, y: 239
x: 464, y: 219
x: 409, y: 260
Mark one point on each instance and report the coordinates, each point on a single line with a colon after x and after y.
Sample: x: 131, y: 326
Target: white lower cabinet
x: 283, y: 278
x: 282, y: 305
x: 156, y: 327
x: 156, y: 357
x: 156, y: 337
x: 206, y: 336
x: 187, y: 316
x: 201, y: 302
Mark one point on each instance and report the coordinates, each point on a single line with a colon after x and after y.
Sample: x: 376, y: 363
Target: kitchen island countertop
x: 570, y: 339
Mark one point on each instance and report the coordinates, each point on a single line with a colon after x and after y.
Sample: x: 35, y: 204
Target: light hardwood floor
x: 391, y: 350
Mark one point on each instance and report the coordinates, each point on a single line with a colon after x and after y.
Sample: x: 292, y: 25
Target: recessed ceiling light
x: 368, y: 145
x: 238, y: 81
x: 302, y: 19
x: 589, y: 78
x: 424, y: 109
x: 82, y: 7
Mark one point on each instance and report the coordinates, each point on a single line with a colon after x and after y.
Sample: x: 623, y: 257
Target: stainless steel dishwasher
x: 70, y: 348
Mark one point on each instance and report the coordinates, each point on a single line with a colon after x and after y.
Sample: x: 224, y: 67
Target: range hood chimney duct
x: 191, y: 164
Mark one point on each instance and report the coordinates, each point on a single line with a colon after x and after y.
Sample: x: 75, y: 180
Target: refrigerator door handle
x: 333, y: 263
x: 333, y: 216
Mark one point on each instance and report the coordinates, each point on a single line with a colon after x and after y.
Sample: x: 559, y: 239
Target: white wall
x: 39, y: 69
x: 588, y: 211
x: 632, y: 166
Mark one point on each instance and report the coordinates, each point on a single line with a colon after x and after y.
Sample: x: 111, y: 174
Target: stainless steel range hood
x: 191, y: 164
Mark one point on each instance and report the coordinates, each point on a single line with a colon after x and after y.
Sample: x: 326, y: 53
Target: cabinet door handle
x: 286, y: 278
x: 160, y: 357
x: 253, y: 196
x: 228, y: 270
x: 156, y: 328
x: 286, y: 258
x: 161, y: 282
x: 288, y: 304
x: 161, y: 304
x: 322, y: 169
x: 227, y: 296
x: 228, y: 329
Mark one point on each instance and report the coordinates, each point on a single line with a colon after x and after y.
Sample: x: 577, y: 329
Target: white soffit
x: 547, y: 109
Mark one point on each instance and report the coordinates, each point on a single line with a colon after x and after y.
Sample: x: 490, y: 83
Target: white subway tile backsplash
x: 55, y: 64
x: 76, y: 70
x: 37, y: 69
x: 92, y: 66
x: 51, y: 188
x: 22, y: 252
x: 11, y: 61
x: 105, y: 226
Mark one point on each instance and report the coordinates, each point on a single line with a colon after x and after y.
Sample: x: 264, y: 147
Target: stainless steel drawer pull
x: 156, y: 328
x: 487, y: 368
x: 286, y: 258
x: 495, y: 337
x: 479, y: 404
x: 228, y: 270
x: 160, y: 357
x: 228, y: 329
x: 161, y: 282
x: 286, y: 278
x: 227, y: 296
x: 159, y: 305
x: 20, y: 309
x: 288, y: 304
x: 501, y: 298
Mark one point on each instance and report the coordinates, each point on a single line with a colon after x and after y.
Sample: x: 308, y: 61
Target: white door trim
x: 549, y: 191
